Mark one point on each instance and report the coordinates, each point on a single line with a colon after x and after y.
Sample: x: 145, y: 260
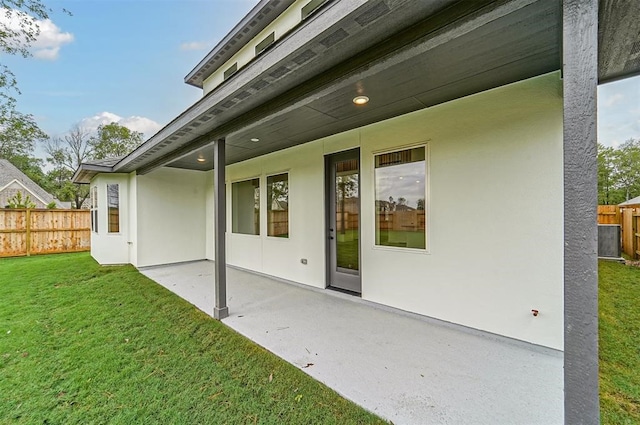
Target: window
x: 94, y: 209
x: 278, y: 205
x: 230, y: 71
x: 268, y: 41
x: 311, y: 7
x: 113, y: 204
x: 245, y: 208
x: 400, y: 198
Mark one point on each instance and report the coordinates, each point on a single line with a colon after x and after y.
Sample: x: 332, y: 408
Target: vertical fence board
x: 31, y: 232
x: 636, y: 233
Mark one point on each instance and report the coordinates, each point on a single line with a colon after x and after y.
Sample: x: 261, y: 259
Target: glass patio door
x: 343, y: 219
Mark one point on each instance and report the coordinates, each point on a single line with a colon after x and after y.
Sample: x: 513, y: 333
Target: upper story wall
x: 280, y: 26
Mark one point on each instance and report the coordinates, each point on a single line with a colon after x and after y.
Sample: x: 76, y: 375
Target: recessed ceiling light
x: 360, y: 100
x: 201, y: 159
x: 255, y: 140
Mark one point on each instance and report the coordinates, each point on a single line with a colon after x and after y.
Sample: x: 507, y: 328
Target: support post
x: 580, y: 79
x: 220, y: 311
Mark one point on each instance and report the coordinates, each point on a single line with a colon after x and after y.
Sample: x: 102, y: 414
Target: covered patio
x: 404, y: 367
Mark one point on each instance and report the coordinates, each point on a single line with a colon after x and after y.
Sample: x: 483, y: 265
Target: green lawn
x: 619, y: 343
x: 81, y: 343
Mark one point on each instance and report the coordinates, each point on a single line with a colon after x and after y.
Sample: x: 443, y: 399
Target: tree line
x: 618, y: 172
x: 65, y: 154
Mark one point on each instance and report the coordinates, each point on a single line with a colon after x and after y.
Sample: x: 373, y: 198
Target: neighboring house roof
x: 10, y: 174
x: 634, y: 201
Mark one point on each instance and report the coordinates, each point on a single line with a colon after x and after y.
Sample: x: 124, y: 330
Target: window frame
x: 266, y: 188
x: 231, y: 209
x: 309, y: 10
x: 230, y: 71
x: 427, y: 200
x: 265, y: 43
x: 93, y: 195
x: 109, y: 212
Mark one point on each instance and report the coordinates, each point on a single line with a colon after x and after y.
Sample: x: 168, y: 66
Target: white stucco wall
x: 495, y: 211
x: 281, y: 25
x: 132, y: 218
x: 111, y: 248
x: 171, y: 223
x: 210, y: 243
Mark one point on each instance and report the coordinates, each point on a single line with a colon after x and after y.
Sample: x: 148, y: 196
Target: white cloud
x: 613, y: 99
x: 48, y: 43
x: 194, y: 45
x: 146, y: 126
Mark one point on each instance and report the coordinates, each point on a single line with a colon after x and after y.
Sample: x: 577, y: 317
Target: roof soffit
x: 338, y: 33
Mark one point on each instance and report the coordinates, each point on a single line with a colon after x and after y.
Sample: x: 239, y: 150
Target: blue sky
x: 126, y: 60
x: 120, y: 59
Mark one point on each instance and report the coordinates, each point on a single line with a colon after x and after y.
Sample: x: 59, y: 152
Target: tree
x: 618, y: 172
x: 114, y: 140
x: 18, y: 137
x: 627, y: 162
x: 18, y: 30
x: 18, y: 131
x: 17, y: 201
x: 65, y: 155
x: 607, y: 176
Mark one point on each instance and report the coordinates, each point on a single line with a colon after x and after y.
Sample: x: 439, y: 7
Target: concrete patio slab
x: 406, y: 368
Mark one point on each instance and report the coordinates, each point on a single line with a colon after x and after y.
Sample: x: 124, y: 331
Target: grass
x: 619, y: 343
x: 347, y: 252
x: 80, y: 343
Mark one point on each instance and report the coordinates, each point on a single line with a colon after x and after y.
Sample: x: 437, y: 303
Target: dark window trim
x: 265, y: 43
x: 312, y: 7
x: 230, y: 71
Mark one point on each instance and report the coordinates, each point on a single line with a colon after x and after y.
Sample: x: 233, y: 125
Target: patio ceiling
x: 404, y: 55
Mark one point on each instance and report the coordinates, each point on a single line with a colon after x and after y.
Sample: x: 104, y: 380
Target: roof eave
x: 86, y: 172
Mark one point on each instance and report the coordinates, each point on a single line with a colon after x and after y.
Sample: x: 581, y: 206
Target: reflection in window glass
x: 94, y: 209
x: 400, y: 198
x: 245, y: 208
x: 113, y: 203
x: 278, y: 206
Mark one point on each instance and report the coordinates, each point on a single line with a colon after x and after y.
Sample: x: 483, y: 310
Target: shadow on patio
x: 404, y: 367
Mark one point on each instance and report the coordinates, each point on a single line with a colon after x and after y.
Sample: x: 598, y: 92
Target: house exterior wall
x: 133, y: 218
x: 210, y: 243
x: 171, y: 223
x: 495, y: 213
x: 111, y: 248
x: 281, y: 25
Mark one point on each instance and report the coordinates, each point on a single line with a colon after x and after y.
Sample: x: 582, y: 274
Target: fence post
x: 634, y: 232
x: 28, y: 225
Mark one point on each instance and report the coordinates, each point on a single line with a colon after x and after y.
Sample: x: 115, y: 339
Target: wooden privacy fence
x: 629, y: 221
x: 608, y: 214
x: 35, y: 231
